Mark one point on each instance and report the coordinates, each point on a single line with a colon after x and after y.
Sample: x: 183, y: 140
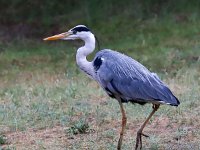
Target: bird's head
x: 77, y: 32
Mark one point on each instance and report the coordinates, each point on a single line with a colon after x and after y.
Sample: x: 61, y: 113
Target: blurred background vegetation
x: 34, y: 17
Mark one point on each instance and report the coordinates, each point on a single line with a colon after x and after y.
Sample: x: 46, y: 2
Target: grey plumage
x: 124, y: 77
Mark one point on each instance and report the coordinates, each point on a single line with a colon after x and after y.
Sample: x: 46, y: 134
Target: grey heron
x: 122, y: 77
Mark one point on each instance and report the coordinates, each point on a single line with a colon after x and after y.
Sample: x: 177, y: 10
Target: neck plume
x: 83, y: 52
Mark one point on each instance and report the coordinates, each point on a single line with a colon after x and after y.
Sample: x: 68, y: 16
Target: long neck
x: 83, y: 52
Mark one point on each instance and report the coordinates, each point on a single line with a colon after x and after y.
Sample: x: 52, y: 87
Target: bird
x: 121, y: 77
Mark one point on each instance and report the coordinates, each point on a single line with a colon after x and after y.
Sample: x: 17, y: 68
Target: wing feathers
x: 127, y: 78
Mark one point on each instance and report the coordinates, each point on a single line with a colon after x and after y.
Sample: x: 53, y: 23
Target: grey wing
x: 126, y: 78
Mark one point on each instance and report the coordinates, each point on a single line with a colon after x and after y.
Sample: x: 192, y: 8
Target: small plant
x: 2, y: 139
x: 80, y: 127
x: 180, y: 133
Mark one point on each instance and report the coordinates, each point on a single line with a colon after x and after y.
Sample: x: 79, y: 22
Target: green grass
x: 41, y: 90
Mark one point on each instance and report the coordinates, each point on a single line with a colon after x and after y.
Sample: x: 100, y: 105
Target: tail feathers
x: 176, y: 102
x: 163, y: 93
x: 170, y: 98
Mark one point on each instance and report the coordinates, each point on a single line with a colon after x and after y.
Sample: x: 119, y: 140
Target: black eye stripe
x: 79, y: 29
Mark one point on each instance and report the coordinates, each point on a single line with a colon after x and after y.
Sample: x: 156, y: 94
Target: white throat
x: 83, y: 52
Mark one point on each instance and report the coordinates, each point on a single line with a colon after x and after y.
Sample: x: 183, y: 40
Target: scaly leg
x: 139, y: 133
x: 123, y: 125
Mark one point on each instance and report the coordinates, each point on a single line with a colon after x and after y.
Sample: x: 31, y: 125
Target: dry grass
x: 44, y: 111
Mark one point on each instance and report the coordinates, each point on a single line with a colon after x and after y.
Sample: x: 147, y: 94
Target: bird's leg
x: 123, y: 125
x: 139, y: 133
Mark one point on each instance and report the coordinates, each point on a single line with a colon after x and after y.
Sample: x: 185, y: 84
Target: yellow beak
x: 57, y: 37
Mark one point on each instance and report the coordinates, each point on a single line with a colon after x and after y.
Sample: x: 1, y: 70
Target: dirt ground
x: 57, y: 138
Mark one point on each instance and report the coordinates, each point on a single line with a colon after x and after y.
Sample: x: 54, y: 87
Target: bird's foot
x: 139, y: 139
x: 144, y: 135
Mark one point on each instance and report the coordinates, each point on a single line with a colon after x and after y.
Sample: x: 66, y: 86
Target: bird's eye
x: 74, y: 31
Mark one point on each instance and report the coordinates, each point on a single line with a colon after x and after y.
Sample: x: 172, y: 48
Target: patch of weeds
x: 80, y: 127
x: 154, y: 143
x: 2, y: 140
x: 110, y: 134
x: 71, y: 90
x: 180, y: 133
x: 40, y: 144
x: 8, y: 148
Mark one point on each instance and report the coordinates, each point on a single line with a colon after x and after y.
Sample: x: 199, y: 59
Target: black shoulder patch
x: 97, y: 63
x: 81, y: 28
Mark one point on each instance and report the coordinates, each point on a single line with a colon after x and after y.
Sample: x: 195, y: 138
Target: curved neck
x: 83, y: 52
